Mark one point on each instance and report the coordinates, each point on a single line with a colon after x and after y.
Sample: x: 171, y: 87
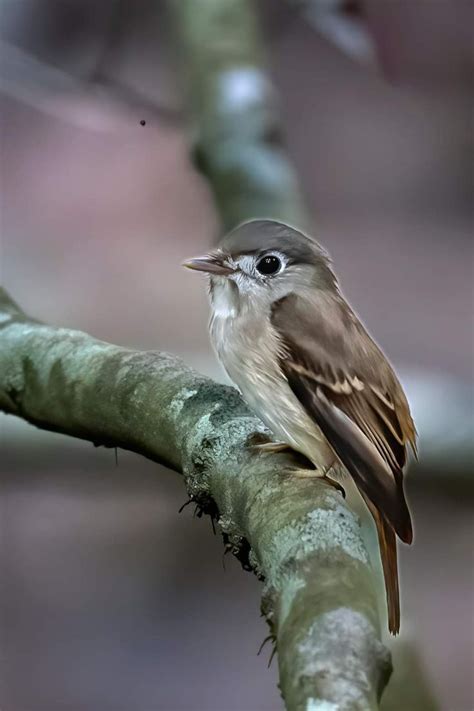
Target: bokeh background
x: 110, y: 600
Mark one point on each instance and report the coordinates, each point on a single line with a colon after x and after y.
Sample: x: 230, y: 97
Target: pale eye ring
x: 269, y: 265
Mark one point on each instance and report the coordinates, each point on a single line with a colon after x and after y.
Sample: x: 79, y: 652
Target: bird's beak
x: 211, y: 264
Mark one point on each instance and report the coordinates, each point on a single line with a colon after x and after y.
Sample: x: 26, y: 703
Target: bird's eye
x: 269, y: 265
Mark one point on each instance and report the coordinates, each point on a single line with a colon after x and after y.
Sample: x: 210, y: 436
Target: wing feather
x: 346, y: 384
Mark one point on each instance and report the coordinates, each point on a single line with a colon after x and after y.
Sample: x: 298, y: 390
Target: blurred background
x: 110, y: 600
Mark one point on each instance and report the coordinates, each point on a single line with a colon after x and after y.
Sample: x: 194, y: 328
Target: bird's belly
x: 251, y: 363
x: 273, y: 401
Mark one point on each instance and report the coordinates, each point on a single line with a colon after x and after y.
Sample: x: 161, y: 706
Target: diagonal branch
x: 234, y: 111
x: 298, y: 535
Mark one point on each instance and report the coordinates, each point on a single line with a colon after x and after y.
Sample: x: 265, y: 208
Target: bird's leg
x: 271, y: 447
x: 319, y: 473
x: 335, y: 484
x: 310, y: 472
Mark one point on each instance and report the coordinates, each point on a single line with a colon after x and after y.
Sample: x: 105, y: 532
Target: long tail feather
x: 388, y: 554
x: 378, y: 479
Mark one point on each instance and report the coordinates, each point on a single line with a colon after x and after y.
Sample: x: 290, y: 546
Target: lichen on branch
x: 298, y: 535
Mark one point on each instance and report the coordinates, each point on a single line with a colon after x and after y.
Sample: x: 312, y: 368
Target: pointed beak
x: 211, y: 264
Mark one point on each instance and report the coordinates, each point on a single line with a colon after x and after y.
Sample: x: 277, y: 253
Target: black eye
x: 269, y: 265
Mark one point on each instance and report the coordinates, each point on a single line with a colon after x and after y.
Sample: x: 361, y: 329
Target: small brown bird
x: 308, y: 368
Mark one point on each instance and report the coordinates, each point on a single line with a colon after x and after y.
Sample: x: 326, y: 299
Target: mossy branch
x: 298, y: 535
x: 234, y: 113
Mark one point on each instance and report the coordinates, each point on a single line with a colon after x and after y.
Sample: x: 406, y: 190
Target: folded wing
x: 346, y: 384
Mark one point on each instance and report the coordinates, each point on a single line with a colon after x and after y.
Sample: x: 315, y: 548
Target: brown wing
x: 346, y: 384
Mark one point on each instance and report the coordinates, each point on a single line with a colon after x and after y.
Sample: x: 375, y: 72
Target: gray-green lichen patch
x: 77, y: 353
x: 177, y: 403
x: 197, y: 460
x: 291, y: 584
x: 212, y: 441
x: 324, y: 529
x: 11, y: 375
x: 255, y: 563
x: 19, y: 330
x: 170, y: 368
x: 202, y: 429
x: 235, y: 432
x: 226, y: 524
x: 321, y: 705
x: 336, y: 527
x: 342, y: 653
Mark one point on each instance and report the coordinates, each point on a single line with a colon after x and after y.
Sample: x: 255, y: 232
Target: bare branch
x: 346, y: 32
x: 236, y: 126
x: 298, y: 535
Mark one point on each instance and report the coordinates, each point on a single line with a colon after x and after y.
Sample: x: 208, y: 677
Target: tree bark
x: 298, y: 535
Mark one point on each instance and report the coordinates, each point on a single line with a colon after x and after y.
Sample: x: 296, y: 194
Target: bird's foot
x: 300, y: 472
x: 271, y: 447
x: 319, y: 474
x: 335, y: 484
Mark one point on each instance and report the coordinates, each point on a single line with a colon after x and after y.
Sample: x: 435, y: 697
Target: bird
x: 308, y: 368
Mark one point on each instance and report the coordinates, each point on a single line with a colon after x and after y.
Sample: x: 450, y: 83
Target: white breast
x: 248, y: 348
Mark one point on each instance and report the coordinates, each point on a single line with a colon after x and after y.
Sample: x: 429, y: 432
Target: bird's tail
x: 388, y: 554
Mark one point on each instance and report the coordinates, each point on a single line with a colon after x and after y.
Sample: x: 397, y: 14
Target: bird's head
x: 265, y: 260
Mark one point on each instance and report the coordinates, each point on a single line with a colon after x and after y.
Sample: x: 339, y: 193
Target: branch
x: 345, y: 31
x: 236, y: 126
x: 298, y: 535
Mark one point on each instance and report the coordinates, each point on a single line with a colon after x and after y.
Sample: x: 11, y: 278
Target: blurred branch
x: 37, y: 83
x: 298, y: 535
x: 236, y: 125
x: 345, y: 30
x: 446, y: 433
x: 28, y: 79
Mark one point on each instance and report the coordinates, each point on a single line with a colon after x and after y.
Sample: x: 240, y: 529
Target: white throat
x: 224, y: 298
